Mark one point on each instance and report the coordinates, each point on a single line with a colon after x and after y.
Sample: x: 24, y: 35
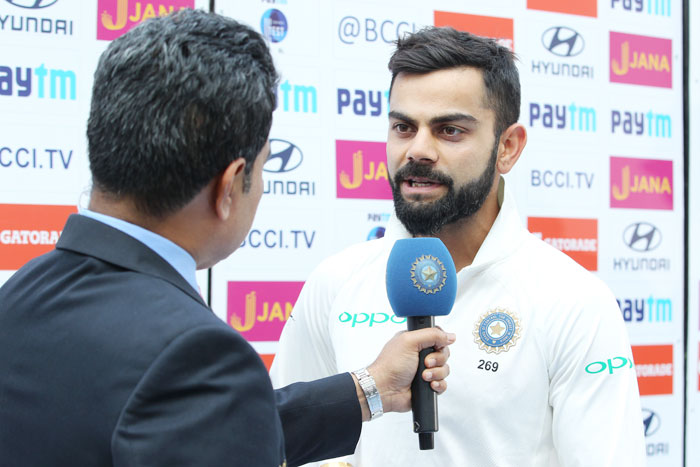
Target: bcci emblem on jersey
x: 497, y: 331
x: 428, y: 274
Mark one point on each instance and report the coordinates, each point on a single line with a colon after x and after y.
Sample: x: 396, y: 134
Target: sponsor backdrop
x: 693, y: 323
x: 601, y: 178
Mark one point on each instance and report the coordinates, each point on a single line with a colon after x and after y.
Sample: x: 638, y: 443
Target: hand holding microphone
x: 421, y: 283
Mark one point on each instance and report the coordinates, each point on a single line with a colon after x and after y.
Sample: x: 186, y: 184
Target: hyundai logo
x: 563, y: 41
x: 284, y: 157
x: 651, y: 421
x: 32, y: 4
x: 642, y: 236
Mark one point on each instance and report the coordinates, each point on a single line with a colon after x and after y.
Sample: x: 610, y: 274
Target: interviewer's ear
x: 510, y: 145
x: 229, y: 187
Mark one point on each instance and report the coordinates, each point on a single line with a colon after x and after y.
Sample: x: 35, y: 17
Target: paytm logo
x: 571, y: 117
x: 258, y: 310
x: 361, y: 169
x: 500, y: 29
x: 577, y: 238
x: 650, y: 7
x: 352, y: 30
x: 115, y: 17
x: 42, y: 82
x: 650, y: 124
x: 649, y: 309
x: 640, y: 60
x: 641, y: 183
x: 363, y: 102
x: 297, y: 98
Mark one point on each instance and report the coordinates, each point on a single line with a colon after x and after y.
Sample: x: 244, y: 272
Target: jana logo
x: 563, y: 41
x: 652, y: 422
x: 642, y: 236
x: 641, y: 183
x: 32, y: 4
x: 641, y: 60
x: 284, y: 157
x: 273, y: 25
x: 116, y: 17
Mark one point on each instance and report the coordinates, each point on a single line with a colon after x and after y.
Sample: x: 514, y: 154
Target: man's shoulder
x: 540, y: 264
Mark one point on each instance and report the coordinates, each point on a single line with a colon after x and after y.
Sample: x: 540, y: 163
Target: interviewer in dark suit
x: 108, y: 355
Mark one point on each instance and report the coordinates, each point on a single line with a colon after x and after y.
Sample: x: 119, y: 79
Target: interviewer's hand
x: 397, y: 363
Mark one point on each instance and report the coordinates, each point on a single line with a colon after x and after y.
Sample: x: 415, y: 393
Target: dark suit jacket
x: 109, y: 357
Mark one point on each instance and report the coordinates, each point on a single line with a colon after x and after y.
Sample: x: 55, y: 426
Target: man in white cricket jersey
x: 546, y: 376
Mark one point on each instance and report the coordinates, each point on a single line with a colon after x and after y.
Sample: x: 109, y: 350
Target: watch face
x: 369, y: 387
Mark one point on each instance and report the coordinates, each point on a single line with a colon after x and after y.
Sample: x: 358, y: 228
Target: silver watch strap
x: 369, y: 387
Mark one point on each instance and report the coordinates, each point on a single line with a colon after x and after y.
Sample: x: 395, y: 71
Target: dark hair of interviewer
x: 433, y: 49
x: 175, y: 101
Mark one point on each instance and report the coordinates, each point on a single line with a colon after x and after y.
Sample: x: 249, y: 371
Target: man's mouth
x: 421, y: 182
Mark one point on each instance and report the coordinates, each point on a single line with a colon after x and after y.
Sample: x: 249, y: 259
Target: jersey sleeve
x: 593, y: 387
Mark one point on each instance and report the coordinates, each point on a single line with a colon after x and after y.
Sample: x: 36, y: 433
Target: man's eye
x: 401, y: 127
x: 451, y: 131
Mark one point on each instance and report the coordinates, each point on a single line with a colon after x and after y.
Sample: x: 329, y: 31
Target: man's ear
x: 229, y: 186
x: 510, y: 145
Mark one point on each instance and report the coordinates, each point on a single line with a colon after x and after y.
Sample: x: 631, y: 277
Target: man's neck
x: 464, y: 237
x: 125, y: 209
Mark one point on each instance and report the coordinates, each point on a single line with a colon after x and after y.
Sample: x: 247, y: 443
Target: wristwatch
x: 369, y: 387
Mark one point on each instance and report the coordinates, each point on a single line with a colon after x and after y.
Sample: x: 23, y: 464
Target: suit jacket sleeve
x: 321, y: 419
x: 205, y: 400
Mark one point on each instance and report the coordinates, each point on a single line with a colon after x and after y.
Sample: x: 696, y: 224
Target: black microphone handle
x: 423, y: 398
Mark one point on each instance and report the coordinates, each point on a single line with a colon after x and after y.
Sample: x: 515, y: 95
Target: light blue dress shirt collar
x: 175, y: 255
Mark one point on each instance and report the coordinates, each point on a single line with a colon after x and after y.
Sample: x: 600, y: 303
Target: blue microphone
x: 421, y: 283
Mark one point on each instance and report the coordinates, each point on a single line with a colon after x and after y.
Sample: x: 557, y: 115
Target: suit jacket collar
x: 87, y: 236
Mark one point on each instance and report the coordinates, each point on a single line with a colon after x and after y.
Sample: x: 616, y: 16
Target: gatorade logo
x: 654, y: 369
x: 577, y: 238
x: 267, y: 359
x: 28, y: 231
x: 500, y: 29
x: 579, y: 7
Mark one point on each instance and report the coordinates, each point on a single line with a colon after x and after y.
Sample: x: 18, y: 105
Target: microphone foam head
x: 420, y: 278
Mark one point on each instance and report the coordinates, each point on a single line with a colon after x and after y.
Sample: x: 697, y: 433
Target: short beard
x: 427, y: 219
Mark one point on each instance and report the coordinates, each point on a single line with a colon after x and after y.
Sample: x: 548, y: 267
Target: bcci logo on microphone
x: 428, y: 274
x: 497, y: 331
